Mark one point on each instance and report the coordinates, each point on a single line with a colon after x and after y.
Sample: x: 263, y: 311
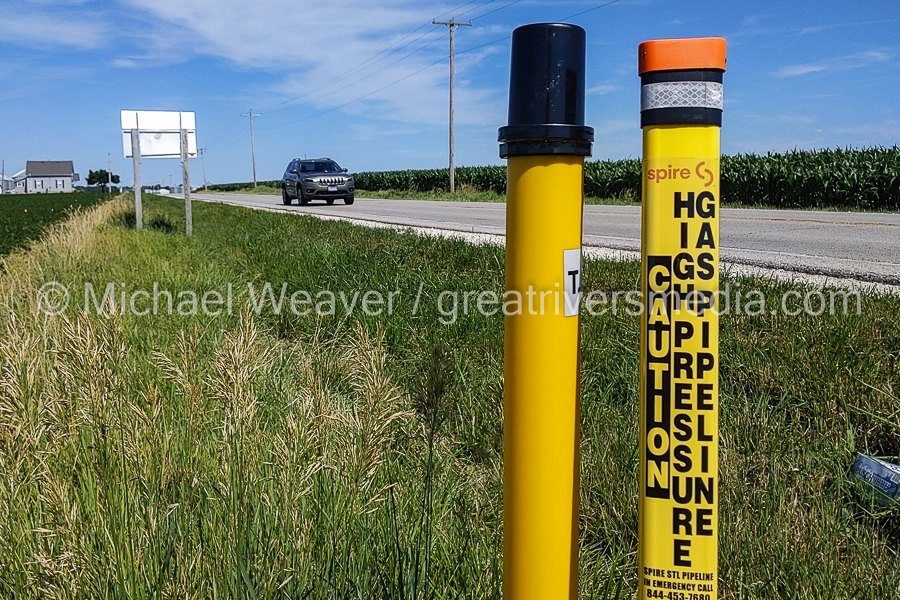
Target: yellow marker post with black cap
x: 546, y: 142
x: 681, y: 115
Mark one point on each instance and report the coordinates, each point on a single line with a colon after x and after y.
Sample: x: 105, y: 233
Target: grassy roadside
x: 260, y: 189
x: 277, y: 455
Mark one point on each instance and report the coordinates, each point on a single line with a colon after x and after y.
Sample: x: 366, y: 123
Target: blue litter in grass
x: 881, y: 475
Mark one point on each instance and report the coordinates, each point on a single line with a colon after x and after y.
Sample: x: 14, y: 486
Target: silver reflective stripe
x: 682, y: 94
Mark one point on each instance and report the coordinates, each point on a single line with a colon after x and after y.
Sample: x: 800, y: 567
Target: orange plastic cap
x: 681, y: 54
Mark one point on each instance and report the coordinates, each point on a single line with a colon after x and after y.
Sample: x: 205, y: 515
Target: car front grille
x: 331, y: 180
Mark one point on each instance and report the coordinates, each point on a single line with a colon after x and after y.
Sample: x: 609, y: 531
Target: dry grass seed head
x: 363, y: 429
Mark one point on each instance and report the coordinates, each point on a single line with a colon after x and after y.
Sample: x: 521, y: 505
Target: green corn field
x: 866, y: 179
x: 851, y: 179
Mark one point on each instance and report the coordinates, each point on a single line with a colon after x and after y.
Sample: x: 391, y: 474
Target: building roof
x: 49, y: 168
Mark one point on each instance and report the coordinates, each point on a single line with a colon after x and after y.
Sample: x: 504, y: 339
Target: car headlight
x: 308, y: 180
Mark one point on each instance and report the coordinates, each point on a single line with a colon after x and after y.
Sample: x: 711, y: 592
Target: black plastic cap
x: 546, y: 93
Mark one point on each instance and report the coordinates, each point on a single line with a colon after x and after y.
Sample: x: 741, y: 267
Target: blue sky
x: 365, y: 82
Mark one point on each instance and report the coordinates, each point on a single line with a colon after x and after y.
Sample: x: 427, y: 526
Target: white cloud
x: 41, y: 30
x: 403, y: 94
x: 600, y: 89
x: 330, y: 54
x: 611, y: 126
x: 874, y: 56
x: 839, y: 63
x: 798, y: 70
x: 58, y: 3
x: 886, y: 131
x: 281, y: 34
x: 124, y: 63
x: 795, y: 119
x: 369, y: 132
x: 322, y: 56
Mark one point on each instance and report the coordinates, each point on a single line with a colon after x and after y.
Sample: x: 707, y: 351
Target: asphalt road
x: 858, y: 246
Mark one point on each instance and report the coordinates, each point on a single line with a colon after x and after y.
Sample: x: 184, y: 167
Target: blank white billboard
x: 159, y: 132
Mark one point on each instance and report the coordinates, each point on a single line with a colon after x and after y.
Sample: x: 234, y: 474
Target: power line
x: 498, y: 9
x: 226, y: 137
x: 222, y: 134
x: 361, y: 66
x: 384, y: 87
x: 377, y: 57
x: 364, y: 96
x: 371, y: 74
x: 416, y: 72
x: 485, y: 45
x: 587, y: 10
x: 455, y: 11
x: 503, y: 39
x: 377, y: 71
x: 481, y: 16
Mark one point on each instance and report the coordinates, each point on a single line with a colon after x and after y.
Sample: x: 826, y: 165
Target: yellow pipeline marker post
x: 546, y: 142
x: 681, y: 114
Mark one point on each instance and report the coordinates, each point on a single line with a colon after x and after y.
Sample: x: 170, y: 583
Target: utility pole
x: 252, y: 146
x: 202, y: 152
x: 108, y: 173
x: 452, y: 24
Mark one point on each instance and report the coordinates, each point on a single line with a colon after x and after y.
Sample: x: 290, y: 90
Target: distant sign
x: 159, y: 132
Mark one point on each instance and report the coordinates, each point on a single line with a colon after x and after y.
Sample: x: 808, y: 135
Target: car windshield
x: 320, y: 166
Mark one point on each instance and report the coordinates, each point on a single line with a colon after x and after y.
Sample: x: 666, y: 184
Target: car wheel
x: 348, y: 200
x: 285, y: 199
x: 303, y: 199
x: 329, y: 201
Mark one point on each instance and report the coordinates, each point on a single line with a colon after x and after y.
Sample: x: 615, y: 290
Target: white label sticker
x: 572, y: 280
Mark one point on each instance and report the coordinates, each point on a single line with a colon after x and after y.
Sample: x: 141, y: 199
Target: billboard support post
x: 186, y: 183
x: 136, y: 157
x: 681, y: 118
x: 546, y: 143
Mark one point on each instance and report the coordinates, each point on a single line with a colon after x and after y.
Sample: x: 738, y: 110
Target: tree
x: 101, y: 177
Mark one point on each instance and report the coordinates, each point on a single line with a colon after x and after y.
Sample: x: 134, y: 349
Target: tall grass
x: 269, y: 456
x: 212, y: 458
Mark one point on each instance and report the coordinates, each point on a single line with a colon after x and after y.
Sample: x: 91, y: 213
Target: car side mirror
x: 344, y: 170
x: 294, y: 171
